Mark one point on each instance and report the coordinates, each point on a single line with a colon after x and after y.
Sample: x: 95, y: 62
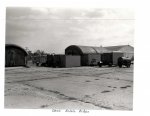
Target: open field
x: 91, y: 88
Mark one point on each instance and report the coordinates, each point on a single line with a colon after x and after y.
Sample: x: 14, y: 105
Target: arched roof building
x: 80, y: 50
x: 127, y: 50
x: 89, y: 53
x: 15, y: 55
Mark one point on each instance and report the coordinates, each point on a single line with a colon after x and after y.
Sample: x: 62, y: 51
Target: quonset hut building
x: 15, y: 56
x: 91, y: 55
x: 127, y: 50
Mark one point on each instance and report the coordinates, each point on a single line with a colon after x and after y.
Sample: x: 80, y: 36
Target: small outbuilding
x: 63, y: 61
x: 15, y: 56
x: 111, y: 58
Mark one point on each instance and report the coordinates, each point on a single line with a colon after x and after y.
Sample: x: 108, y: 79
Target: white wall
x: 73, y: 61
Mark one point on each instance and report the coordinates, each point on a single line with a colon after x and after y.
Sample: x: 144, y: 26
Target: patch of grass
x: 125, y: 87
x: 61, y: 94
x: 105, y: 91
x: 106, y: 107
x: 56, y: 92
x: 88, y: 96
x: 87, y: 81
x: 87, y: 102
x: 71, y: 98
x: 44, y: 106
x: 25, y: 89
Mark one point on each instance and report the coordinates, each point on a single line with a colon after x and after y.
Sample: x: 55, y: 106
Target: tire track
x: 65, y: 97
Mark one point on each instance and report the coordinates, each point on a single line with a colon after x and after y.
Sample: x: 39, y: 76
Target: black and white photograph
x: 69, y: 58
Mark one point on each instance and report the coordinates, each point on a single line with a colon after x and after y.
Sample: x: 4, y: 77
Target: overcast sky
x: 53, y: 29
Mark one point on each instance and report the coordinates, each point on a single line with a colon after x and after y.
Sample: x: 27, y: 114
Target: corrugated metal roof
x: 93, y: 49
x: 14, y: 45
x: 89, y: 49
x: 116, y: 48
x: 101, y: 49
x: 86, y: 49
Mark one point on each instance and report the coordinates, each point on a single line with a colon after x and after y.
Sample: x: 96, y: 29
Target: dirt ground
x: 92, y: 88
